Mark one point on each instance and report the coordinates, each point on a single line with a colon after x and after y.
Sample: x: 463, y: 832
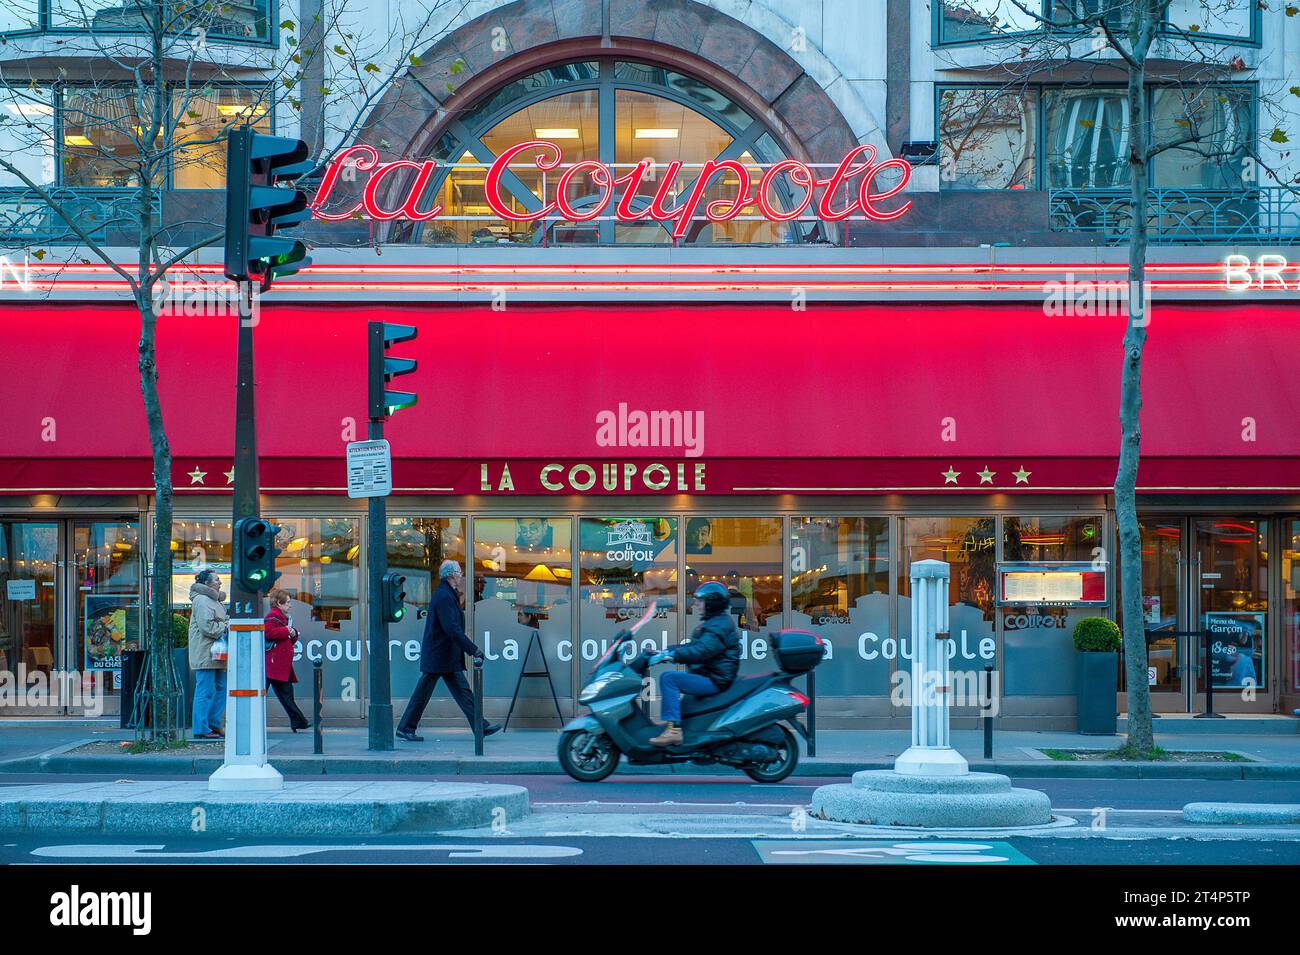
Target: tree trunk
x: 1130, y: 538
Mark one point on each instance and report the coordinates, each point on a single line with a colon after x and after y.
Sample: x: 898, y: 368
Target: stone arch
x: 697, y: 36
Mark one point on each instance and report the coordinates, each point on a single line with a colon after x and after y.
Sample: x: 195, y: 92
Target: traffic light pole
x: 244, y: 767
x: 245, y: 603
x: 380, y: 715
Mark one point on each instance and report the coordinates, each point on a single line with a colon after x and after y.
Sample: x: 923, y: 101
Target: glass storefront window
x: 27, y: 134
x: 247, y: 19
x: 1087, y: 138
x: 1216, y: 125
x: 1232, y: 560
x: 320, y: 566
x: 20, y: 16
x: 1225, y: 18
x: 416, y: 546
x: 101, y: 137
x: 980, y: 19
x: 657, y: 114
x: 744, y: 555
x: 626, y: 563
x: 523, y: 585
x: 987, y: 138
x: 200, y: 118
x: 839, y: 589
x: 28, y: 556
x: 969, y: 545
x: 106, y: 562
x: 1038, y: 642
x: 1162, y: 542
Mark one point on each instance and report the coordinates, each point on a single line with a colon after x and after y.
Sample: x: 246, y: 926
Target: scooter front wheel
x: 588, y: 757
x: 781, y: 767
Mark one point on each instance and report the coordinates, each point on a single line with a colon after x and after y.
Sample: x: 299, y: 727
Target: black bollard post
x: 988, y: 712
x: 1208, y: 669
x: 812, y: 714
x: 478, y: 706
x: 318, y: 699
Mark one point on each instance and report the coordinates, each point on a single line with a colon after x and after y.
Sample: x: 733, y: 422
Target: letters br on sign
x: 370, y: 469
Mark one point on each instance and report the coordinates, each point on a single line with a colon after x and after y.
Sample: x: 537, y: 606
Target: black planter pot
x: 1098, y: 685
x: 181, y: 663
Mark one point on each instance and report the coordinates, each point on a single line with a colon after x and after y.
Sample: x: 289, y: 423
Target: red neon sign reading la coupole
x: 627, y: 187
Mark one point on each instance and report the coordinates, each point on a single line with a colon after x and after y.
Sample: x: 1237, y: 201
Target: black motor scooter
x: 743, y: 726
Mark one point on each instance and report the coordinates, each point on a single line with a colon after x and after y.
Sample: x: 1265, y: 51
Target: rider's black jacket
x: 713, y: 650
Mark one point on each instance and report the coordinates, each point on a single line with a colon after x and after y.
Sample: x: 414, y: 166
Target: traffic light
x: 258, y: 202
x: 392, y: 598
x: 383, y: 369
x: 254, y: 554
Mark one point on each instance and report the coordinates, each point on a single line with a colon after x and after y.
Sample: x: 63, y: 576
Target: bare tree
x: 154, y: 88
x: 1080, y: 44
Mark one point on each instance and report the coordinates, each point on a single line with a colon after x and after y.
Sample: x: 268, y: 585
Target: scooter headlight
x: 593, y: 690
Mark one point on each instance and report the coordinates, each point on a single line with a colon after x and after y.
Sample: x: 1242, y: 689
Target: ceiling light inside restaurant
x: 557, y: 132
x: 654, y: 133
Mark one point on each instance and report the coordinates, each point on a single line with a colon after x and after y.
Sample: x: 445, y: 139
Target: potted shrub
x: 181, y: 660
x: 1098, y: 641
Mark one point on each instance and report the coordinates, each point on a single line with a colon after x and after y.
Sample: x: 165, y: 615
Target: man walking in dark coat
x: 442, y: 654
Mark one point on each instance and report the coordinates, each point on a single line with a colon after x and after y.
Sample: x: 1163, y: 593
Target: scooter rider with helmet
x: 713, y: 656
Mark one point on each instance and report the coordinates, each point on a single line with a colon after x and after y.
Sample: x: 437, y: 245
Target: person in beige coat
x: 208, y: 624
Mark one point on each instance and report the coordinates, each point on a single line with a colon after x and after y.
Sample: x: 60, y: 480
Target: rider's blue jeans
x: 671, y: 687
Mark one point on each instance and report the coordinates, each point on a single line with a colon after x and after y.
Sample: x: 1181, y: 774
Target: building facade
x: 631, y: 381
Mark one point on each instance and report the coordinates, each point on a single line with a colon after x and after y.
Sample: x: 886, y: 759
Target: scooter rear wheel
x: 779, y: 768
x: 588, y: 757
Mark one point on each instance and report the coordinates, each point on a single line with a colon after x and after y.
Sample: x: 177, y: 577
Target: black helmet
x: 715, y: 597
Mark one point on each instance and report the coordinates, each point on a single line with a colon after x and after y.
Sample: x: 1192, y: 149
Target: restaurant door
x: 71, y: 592
x: 1231, y: 604
x: 1206, y: 574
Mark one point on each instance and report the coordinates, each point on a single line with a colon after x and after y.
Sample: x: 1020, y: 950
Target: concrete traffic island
x: 885, y: 797
x: 931, y: 785
x: 130, y: 807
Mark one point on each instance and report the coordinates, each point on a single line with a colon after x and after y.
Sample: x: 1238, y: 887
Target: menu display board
x: 1065, y: 583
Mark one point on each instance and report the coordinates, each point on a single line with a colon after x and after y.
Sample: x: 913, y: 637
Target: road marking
x: 453, y: 851
x: 670, y: 802
x: 891, y: 853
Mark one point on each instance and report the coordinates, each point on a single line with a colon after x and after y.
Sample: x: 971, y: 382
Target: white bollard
x: 245, y: 768
x: 931, y: 752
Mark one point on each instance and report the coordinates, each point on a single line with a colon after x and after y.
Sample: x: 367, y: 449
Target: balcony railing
x: 1182, y: 216
x: 26, y: 218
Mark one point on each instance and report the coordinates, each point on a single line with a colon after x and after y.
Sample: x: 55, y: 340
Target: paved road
x: 700, y: 792
x: 696, y: 795
x: 579, y: 850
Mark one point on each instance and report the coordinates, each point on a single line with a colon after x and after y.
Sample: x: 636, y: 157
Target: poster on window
x: 109, y: 624
x: 1236, y: 648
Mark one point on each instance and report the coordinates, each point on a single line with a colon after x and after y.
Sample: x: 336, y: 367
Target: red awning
x: 836, y: 398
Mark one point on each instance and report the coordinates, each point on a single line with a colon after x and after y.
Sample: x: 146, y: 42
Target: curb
x: 1237, y: 813
x: 439, y: 807
x: 148, y: 764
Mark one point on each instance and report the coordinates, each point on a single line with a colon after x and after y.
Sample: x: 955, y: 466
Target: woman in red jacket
x: 281, y: 636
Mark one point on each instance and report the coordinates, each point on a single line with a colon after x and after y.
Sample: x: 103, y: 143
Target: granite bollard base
x: 324, y: 808
x: 882, y: 797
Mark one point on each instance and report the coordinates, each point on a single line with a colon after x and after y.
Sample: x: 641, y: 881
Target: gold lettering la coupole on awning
x: 609, y: 476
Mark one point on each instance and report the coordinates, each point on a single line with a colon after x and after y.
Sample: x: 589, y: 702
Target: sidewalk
x: 448, y: 752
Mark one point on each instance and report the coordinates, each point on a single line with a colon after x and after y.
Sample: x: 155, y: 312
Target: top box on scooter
x: 797, y: 651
